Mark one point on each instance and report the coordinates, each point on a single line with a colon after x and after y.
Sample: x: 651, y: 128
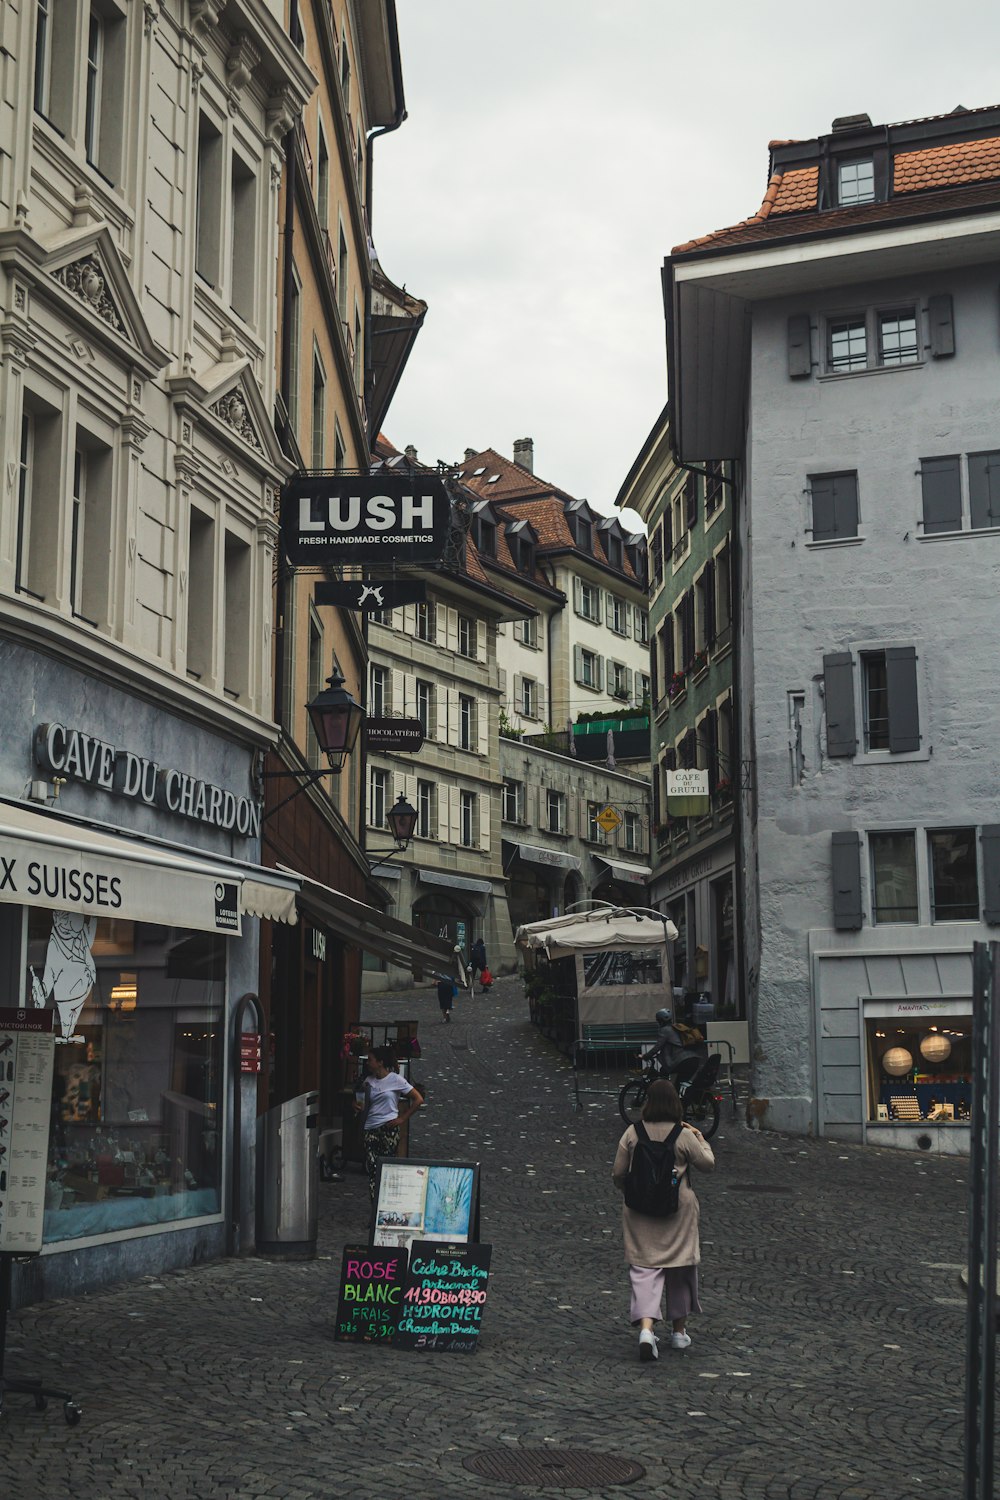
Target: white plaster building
x: 842, y: 346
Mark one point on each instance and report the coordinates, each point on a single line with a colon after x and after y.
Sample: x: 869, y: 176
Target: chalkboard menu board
x: 371, y: 1293
x: 444, y: 1297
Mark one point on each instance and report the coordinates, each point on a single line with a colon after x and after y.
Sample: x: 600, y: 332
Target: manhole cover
x: 758, y: 1187
x: 553, y: 1468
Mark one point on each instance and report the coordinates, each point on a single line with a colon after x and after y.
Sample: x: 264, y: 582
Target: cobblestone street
x: 828, y: 1364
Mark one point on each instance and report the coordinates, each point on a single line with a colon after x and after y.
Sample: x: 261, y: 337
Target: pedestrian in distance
x: 477, y: 957
x: 382, y: 1116
x: 663, y: 1250
x: 447, y: 989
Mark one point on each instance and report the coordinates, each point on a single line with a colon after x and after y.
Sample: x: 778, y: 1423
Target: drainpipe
x: 285, y: 386
x: 373, y: 136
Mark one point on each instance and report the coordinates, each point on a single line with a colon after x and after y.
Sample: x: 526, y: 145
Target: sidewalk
x: 828, y: 1365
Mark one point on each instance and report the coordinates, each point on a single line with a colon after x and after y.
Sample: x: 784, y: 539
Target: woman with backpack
x: 660, y: 1215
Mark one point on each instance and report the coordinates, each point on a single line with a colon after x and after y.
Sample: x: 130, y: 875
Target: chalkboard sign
x: 444, y: 1297
x: 371, y: 1293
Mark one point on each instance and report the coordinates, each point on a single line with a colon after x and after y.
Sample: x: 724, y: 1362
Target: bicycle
x: 700, y: 1100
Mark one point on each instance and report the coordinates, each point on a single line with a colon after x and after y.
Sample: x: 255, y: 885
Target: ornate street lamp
x: 336, y: 720
x: 402, y: 820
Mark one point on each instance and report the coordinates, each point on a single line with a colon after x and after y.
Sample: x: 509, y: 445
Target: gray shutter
x: 901, y: 684
x: 799, y: 351
x: 845, y: 863
x: 989, y: 838
x: 845, y: 504
x: 824, y: 515
x: 942, y: 494
x: 942, y: 323
x: 984, y: 489
x: 838, y: 687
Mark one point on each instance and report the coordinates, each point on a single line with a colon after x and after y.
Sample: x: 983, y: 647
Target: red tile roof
x: 946, y: 166
x: 514, y: 482
x: 950, y: 172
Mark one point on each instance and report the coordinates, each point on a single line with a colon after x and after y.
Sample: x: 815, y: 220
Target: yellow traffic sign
x: 608, y: 819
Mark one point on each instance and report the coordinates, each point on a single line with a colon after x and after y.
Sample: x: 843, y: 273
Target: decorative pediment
x: 85, y: 263
x: 230, y: 395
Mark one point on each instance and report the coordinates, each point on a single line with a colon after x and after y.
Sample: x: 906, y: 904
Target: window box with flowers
x: 699, y: 663
x: 676, y: 686
x: 724, y: 789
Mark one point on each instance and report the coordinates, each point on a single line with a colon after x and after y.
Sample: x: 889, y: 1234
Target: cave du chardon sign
x: 380, y: 520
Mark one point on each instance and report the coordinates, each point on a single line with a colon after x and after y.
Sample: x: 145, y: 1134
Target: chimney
x: 844, y: 123
x: 470, y: 453
x: 524, y: 453
x: 411, y: 453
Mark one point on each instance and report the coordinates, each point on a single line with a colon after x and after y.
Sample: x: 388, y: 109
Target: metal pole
x: 980, y: 1370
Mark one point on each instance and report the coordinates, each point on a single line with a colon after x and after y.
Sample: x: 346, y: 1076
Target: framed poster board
x: 425, y: 1200
x: 371, y: 1293
x: 444, y: 1297
x: 27, y: 1058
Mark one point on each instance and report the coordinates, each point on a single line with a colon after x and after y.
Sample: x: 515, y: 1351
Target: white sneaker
x: 680, y: 1341
x: 647, y: 1345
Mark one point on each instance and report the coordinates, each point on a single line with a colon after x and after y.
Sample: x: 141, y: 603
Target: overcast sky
x: 556, y: 149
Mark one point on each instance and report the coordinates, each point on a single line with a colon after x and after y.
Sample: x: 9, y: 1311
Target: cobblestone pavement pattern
x: 828, y: 1364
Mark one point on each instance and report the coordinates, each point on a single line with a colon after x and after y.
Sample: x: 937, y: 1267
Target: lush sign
x: 444, y: 1297
x: 380, y: 519
x: 366, y: 595
x: 371, y: 1293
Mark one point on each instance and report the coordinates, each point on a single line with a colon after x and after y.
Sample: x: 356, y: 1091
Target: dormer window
x: 484, y: 530
x: 615, y: 553
x: 856, y: 182
x: 521, y: 540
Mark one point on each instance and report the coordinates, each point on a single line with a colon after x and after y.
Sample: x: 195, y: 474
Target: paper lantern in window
x: 897, y: 1061
x: 935, y: 1048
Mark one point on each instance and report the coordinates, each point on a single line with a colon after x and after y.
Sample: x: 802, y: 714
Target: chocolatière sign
x: 381, y: 519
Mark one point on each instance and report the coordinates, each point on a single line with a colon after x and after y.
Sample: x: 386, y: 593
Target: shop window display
x: 135, y: 1136
x: 920, y: 1071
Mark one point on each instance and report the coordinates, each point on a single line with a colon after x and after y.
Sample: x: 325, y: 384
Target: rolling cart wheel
x: 72, y: 1413
x: 41, y: 1402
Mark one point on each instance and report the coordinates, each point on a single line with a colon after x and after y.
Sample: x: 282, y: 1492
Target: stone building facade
x: 858, y: 400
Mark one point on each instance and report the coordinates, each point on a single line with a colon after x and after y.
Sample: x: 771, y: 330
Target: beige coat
x: 664, y: 1242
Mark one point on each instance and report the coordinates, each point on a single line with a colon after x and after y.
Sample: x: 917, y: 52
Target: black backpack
x: 652, y: 1186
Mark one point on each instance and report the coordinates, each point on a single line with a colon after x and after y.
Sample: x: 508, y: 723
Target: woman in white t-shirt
x: 384, y: 1088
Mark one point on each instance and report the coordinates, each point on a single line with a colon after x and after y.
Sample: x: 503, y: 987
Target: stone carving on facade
x: 240, y: 64
x: 282, y: 113
x: 150, y: 14
x: 20, y: 299
x: 232, y: 410
x: 205, y: 15
x: 86, y: 280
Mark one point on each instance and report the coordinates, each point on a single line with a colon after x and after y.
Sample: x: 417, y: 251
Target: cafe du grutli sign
x: 381, y: 519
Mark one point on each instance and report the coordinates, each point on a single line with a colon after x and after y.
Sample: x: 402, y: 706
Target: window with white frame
x: 466, y: 636
x: 318, y: 413
x: 641, y: 625
x: 378, y: 797
x: 513, y: 800
x: 208, y: 203
x: 528, y: 706
x: 595, y: 834
x: 426, y: 623
x: 526, y: 631
x: 426, y: 810
x: 379, y: 698
x: 90, y: 529
x: 644, y: 688
x: 467, y: 722
x: 878, y: 338
x: 618, y: 679
x: 856, y: 182
x: 954, y: 875
x: 590, y: 669
x: 618, y: 615
x: 630, y: 831
x: 322, y: 179
x: 894, y: 877
x: 243, y: 240
x: 589, y: 602
x: 425, y: 707
x: 555, y: 811
x: 467, y: 817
